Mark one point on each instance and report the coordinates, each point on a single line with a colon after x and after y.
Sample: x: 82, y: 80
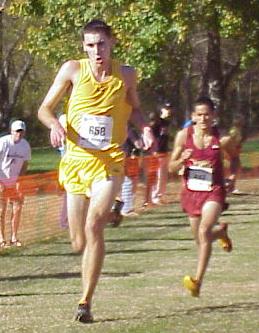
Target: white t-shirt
x: 12, y: 157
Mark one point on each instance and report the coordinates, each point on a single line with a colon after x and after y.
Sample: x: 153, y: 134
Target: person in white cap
x: 15, y: 151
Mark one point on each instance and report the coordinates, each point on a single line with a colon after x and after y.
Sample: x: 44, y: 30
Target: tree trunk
x: 1, y: 69
x: 187, y: 88
x: 10, y: 83
x: 212, y: 80
x: 214, y: 76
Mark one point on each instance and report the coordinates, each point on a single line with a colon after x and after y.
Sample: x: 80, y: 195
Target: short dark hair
x: 167, y: 106
x: 204, y: 100
x: 96, y: 26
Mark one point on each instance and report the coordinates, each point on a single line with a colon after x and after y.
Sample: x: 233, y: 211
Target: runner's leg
x: 102, y: 199
x: 210, y: 214
x: 15, y: 219
x: 77, y: 205
x: 3, y: 208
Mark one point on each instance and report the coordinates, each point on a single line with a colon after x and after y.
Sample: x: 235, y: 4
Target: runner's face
x: 98, y: 47
x: 165, y: 113
x: 203, y: 116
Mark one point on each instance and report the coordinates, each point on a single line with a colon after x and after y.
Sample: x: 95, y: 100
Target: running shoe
x: 192, y: 285
x: 3, y: 245
x: 131, y: 213
x: 225, y: 242
x: 116, y: 216
x: 83, y: 313
x: 16, y: 243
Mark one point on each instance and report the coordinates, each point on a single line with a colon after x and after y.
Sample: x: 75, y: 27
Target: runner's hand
x: 186, y: 154
x: 57, y: 134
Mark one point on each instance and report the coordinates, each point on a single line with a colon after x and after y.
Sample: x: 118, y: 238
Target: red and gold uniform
x: 203, y: 176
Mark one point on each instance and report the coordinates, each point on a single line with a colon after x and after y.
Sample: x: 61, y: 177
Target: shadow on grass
x: 244, y: 210
x: 16, y: 254
x: 244, y: 194
x: 154, y: 225
x: 163, y: 217
x: 135, y: 251
x: 63, y: 275
x: 66, y: 275
x: 147, y: 240
x: 35, y: 294
x: 231, y: 308
x: 235, y: 307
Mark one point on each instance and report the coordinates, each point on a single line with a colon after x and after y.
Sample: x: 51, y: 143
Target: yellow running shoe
x: 225, y: 242
x: 192, y: 285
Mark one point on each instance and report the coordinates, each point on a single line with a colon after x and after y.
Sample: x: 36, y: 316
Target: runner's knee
x: 78, y: 244
x: 17, y: 208
x: 204, y: 234
x: 95, y: 227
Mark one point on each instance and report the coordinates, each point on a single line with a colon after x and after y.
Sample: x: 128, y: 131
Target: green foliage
x: 143, y: 28
x: 159, y: 38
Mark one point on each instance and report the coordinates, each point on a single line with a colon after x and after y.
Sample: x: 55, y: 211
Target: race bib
x: 199, y: 179
x: 95, y: 132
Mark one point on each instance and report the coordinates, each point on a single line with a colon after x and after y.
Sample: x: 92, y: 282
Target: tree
x: 233, y: 24
x: 161, y: 38
x: 14, y: 66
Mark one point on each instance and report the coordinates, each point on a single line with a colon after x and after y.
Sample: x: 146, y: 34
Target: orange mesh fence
x: 43, y: 198
x: 41, y: 207
x: 132, y: 166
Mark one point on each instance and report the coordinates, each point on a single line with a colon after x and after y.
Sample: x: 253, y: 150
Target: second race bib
x: 199, y: 179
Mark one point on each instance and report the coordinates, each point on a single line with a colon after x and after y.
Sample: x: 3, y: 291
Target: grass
x: 251, y: 145
x: 47, y: 159
x: 44, y: 159
x: 140, y: 290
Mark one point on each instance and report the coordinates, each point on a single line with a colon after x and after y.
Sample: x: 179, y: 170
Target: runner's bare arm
x: 46, y: 113
x: 179, y: 154
x: 137, y: 118
x: 228, y: 146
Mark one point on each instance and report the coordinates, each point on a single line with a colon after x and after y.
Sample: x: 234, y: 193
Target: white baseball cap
x: 18, y: 125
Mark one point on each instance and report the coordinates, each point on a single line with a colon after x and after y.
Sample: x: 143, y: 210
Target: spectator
x: 15, y: 152
x: 150, y: 162
x: 132, y: 148
x: 238, y: 136
x: 161, y: 129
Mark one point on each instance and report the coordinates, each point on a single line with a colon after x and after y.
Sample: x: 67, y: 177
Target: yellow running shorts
x: 76, y: 174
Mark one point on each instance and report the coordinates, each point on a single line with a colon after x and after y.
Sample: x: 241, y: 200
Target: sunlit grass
x: 140, y: 290
x: 43, y: 159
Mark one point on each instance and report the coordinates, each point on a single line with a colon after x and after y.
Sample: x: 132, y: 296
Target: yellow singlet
x: 97, y: 118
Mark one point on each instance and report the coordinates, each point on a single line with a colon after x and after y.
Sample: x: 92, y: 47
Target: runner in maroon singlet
x: 198, y: 149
